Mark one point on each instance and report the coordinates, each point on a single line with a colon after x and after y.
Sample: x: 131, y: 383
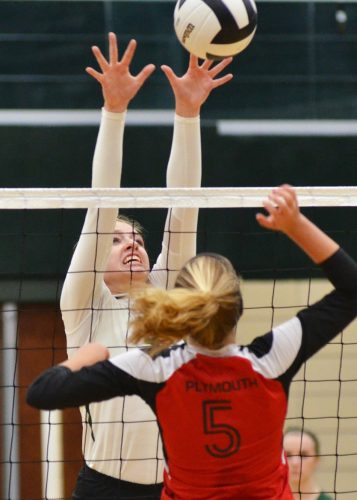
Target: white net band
x: 238, y: 197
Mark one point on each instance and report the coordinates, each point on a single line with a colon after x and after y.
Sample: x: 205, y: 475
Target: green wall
x: 299, y: 66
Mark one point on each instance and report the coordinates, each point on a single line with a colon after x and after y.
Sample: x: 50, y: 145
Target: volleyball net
x: 41, y: 452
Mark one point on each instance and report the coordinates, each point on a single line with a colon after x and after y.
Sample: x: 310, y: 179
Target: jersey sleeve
x: 84, y: 283
x: 184, y: 170
x: 58, y: 387
x: 281, y: 352
x: 328, y: 317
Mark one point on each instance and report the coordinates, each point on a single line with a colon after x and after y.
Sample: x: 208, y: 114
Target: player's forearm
x: 185, y: 163
x: 83, y: 284
x: 312, y: 240
x: 45, y: 393
x: 108, y: 154
x: 341, y: 270
x: 184, y: 170
x: 56, y: 388
x: 85, y: 275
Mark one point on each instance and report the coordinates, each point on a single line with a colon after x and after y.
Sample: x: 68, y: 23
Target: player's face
x: 300, y: 452
x: 128, y: 260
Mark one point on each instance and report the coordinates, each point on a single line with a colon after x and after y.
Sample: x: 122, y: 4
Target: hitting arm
x: 316, y: 325
x: 284, y: 215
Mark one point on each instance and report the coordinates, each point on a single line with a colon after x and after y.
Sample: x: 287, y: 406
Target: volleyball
x: 215, y: 29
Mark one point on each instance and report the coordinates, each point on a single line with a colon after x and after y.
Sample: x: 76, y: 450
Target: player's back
x: 221, y: 423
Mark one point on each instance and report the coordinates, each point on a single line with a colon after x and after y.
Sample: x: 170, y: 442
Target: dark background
x: 301, y: 65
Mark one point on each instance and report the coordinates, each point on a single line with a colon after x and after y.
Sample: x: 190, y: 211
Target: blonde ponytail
x: 205, y: 305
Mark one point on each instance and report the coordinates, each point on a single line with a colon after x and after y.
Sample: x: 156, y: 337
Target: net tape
x: 222, y: 197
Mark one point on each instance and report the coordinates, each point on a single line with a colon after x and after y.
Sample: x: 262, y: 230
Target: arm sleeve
x: 281, y: 352
x: 325, y: 319
x: 84, y: 283
x: 59, y: 387
x: 184, y: 170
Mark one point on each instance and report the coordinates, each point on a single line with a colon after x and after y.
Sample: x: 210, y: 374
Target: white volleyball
x: 215, y: 29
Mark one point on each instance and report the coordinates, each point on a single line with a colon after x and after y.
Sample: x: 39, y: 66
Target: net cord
x: 220, y: 197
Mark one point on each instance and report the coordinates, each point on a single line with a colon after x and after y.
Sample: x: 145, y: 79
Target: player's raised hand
x: 284, y: 215
x: 283, y: 210
x: 119, y: 86
x: 192, y: 89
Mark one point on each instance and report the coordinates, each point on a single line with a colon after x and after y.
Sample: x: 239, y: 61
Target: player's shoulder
x: 165, y: 363
x: 159, y: 368
x: 273, y: 353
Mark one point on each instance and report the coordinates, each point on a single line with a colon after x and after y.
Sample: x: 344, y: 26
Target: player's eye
x: 139, y: 241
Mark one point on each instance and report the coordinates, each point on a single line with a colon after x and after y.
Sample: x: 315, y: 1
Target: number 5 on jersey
x: 213, y: 423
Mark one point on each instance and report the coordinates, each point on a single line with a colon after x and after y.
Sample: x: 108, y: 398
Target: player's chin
x: 138, y: 275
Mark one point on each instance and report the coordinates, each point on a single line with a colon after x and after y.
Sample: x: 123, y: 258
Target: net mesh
x: 41, y: 452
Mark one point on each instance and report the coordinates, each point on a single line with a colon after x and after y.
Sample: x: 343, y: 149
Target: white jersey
x: 120, y: 436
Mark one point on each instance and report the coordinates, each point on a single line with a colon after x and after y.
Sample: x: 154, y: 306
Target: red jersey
x: 220, y: 412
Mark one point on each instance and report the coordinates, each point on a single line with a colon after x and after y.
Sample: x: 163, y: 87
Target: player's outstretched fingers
x: 221, y: 81
x: 113, y: 48
x: 220, y: 66
x: 193, y: 61
x: 206, y: 64
x: 95, y: 74
x: 170, y: 75
x: 145, y: 73
x: 101, y: 60
x: 129, y: 52
x: 265, y: 221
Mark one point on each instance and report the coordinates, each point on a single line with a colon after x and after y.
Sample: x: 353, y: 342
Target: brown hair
x: 205, y: 304
x: 137, y: 227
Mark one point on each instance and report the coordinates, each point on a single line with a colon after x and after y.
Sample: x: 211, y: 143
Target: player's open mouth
x: 132, y: 259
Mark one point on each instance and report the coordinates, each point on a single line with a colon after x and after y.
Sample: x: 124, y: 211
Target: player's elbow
x: 37, y: 399
x: 45, y: 393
